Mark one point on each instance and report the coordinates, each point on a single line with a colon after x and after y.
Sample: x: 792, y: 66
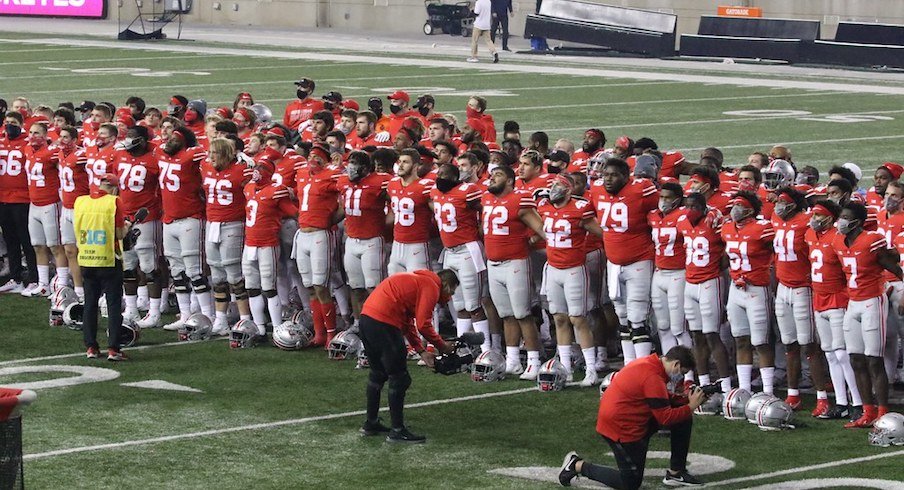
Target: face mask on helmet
x: 13, y: 131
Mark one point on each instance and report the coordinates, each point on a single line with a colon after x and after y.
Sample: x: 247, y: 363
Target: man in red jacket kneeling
x: 401, y: 307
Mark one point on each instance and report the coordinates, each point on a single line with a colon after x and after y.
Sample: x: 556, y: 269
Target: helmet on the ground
x: 606, y: 381
x: 888, y: 430
x: 345, y: 345
x: 363, y: 361
x: 197, y: 327
x: 242, y: 334
x: 59, y: 300
x: 734, y: 404
x: 292, y: 336
x: 711, y: 406
x: 552, y: 376
x: 489, y: 366
x: 129, y: 334
x: 753, y: 405
x: 774, y: 415
x: 778, y: 174
x: 72, y: 315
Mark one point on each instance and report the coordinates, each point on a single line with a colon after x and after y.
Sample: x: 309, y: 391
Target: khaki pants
x: 476, y: 34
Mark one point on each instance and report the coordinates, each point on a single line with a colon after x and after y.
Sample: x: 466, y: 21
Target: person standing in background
x: 502, y: 10
x: 483, y: 11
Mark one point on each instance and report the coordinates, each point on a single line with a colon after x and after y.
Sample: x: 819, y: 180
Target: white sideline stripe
x: 266, y: 425
x: 809, y: 142
x: 50, y: 62
x: 194, y: 68
x: 82, y: 354
x: 495, y: 68
x: 802, y: 469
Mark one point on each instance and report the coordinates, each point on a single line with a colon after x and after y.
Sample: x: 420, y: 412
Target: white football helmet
x: 734, y: 404
x: 774, y: 415
x: 596, y: 164
x: 129, y: 334
x: 711, y: 406
x: 345, y: 345
x: 363, y: 362
x: 303, y: 318
x: 778, y: 174
x: 59, y: 300
x: 552, y: 376
x: 888, y: 430
x: 489, y: 366
x: 72, y: 315
x: 292, y: 336
x: 263, y: 113
x: 242, y: 334
x: 753, y: 405
x: 197, y: 327
x: 606, y: 381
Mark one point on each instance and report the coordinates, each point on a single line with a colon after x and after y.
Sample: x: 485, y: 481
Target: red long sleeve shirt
x: 638, y: 394
x: 405, y: 301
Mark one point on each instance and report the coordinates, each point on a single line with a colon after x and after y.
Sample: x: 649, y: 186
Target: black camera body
x: 711, y: 389
x: 456, y: 362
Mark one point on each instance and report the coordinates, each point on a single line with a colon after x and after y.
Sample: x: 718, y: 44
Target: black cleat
x: 568, y: 471
x: 681, y: 479
x: 495, y: 57
x: 855, y: 412
x: 836, y: 412
x: 373, y: 428
x: 405, y: 435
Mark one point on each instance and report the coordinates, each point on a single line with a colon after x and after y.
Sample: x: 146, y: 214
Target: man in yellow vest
x: 99, y: 227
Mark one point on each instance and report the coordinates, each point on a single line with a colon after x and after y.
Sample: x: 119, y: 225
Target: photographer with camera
x: 401, y: 307
x: 634, y: 407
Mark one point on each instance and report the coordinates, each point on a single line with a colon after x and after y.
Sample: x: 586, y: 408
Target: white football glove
x: 382, y: 137
x: 304, y: 125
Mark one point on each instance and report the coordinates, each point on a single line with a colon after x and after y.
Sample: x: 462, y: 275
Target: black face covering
x: 13, y: 131
x: 467, y: 138
x: 445, y: 185
x: 423, y: 111
x: 395, y: 109
x: 301, y: 94
x: 552, y: 169
x: 328, y: 106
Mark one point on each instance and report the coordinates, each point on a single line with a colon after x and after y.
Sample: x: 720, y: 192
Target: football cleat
x: 822, y: 408
x: 115, y: 355
x: 569, y: 470
x: 531, y: 373
x: 373, y: 428
x: 405, y: 435
x: 175, y: 326
x: 514, y: 369
x: 590, y: 378
x: 11, y: 287
x: 793, y: 401
x: 92, y: 353
x: 151, y: 320
x: 865, y: 421
x: 37, y: 291
x: 836, y: 412
x: 220, y: 327
x: 126, y: 316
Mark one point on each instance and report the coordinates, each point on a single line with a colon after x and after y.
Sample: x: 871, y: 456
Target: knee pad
x: 181, y: 283
x: 624, y: 332
x: 270, y: 293
x: 130, y: 275
x: 640, y: 333
x: 200, y: 285
x: 377, y: 378
x: 254, y: 293
x: 151, y: 277
x: 221, y: 292
x: 399, y: 382
x: 238, y: 289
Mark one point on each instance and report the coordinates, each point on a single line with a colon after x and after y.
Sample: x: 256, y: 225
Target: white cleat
x: 220, y: 327
x: 514, y: 369
x: 12, y: 287
x: 472, y: 60
x: 602, y: 365
x: 175, y: 326
x: 28, y: 289
x: 150, y: 321
x: 132, y: 317
x: 590, y: 378
x: 533, y: 370
x: 143, y: 304
x: 570, y: 377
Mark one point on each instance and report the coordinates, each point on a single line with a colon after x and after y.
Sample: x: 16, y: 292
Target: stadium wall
x: 409, y: 15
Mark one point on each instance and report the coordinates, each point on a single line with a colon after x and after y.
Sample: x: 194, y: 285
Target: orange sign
x: 727, y: 11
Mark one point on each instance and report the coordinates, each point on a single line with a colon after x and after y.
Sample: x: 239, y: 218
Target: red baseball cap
x: 399, y: 95
x: 893, y: 168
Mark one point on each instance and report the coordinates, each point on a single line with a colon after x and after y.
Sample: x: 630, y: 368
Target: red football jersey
x: 542, y: 181
x: 100, y: 162
x: 565, y: 235
x: 43, y: 175
x: 264, y: 211
x: 580, y: 159
x: 225, y: 191
x: 829, y: 283
x: 890, y: 226
x: 623, y: 217
x: 299, y: 111
x: 318, y: 196
x: 504, y: 234
x: 768, y: 205
x: 874, y: 199
x: 455, y: 216
x: 703, y: 246
x: 671, y: 160
x: 138, y: 186
x: 412, y: 217
x: 792, y: 267
x: 13, y: 177
x: 862, y: 269
x: 668, y: 242
x: 285, y: 166
x: 749, y: 251
x: 73, y: 176
x: 180, y: 183
x: 720, y: 201
x: 728, y: 181
x: 365, y: 204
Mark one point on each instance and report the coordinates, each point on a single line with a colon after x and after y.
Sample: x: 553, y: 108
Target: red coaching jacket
x: 638, y: 395
x: 405, y: 301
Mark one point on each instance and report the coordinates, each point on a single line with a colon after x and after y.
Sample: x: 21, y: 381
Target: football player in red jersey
x: 886, y: 173
x: 472, y: 170
x: 793, y: 299
x: 300, y: 111
x: 748, y: 243
x: 400, y: 111
x: 138, y: 171
x: 864, y: 255
x: 180, y: 161
x: 509, y: 216
x: 673, y: 162
x: 362, y: 194
x: 622, y: 204
x: 669, y: 277
x: 701, y: 226
x: 73, y: 183
x: 412, y: 216
x: 14, y: 203
x: 830, y: 300
x: 567, y: 221
x: 42, y: 173
x: 365, y: 130
x: 479, y: 120
x: 318, y: 201
x: 224, y: 178
x: 594, y: 142
x: 706, y: 181
x: 266, y: 204
x: 891, y: 224
x: 456, y: 206
x: 100, y: 155
x: 531, y: 177
x: 841, y: 191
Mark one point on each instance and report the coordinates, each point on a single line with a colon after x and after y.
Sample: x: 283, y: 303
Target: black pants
x: 631, y: 458
x: 99, y: 281
x: 500, y: 19
x: 14, y: 223
x: 388, y: 358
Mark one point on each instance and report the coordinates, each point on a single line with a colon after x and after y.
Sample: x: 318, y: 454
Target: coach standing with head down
x: 99, y: 226
x: 633, y: 408
x: 401, y: 307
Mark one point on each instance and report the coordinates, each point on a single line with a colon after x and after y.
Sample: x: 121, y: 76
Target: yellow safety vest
x: 95, y: 228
